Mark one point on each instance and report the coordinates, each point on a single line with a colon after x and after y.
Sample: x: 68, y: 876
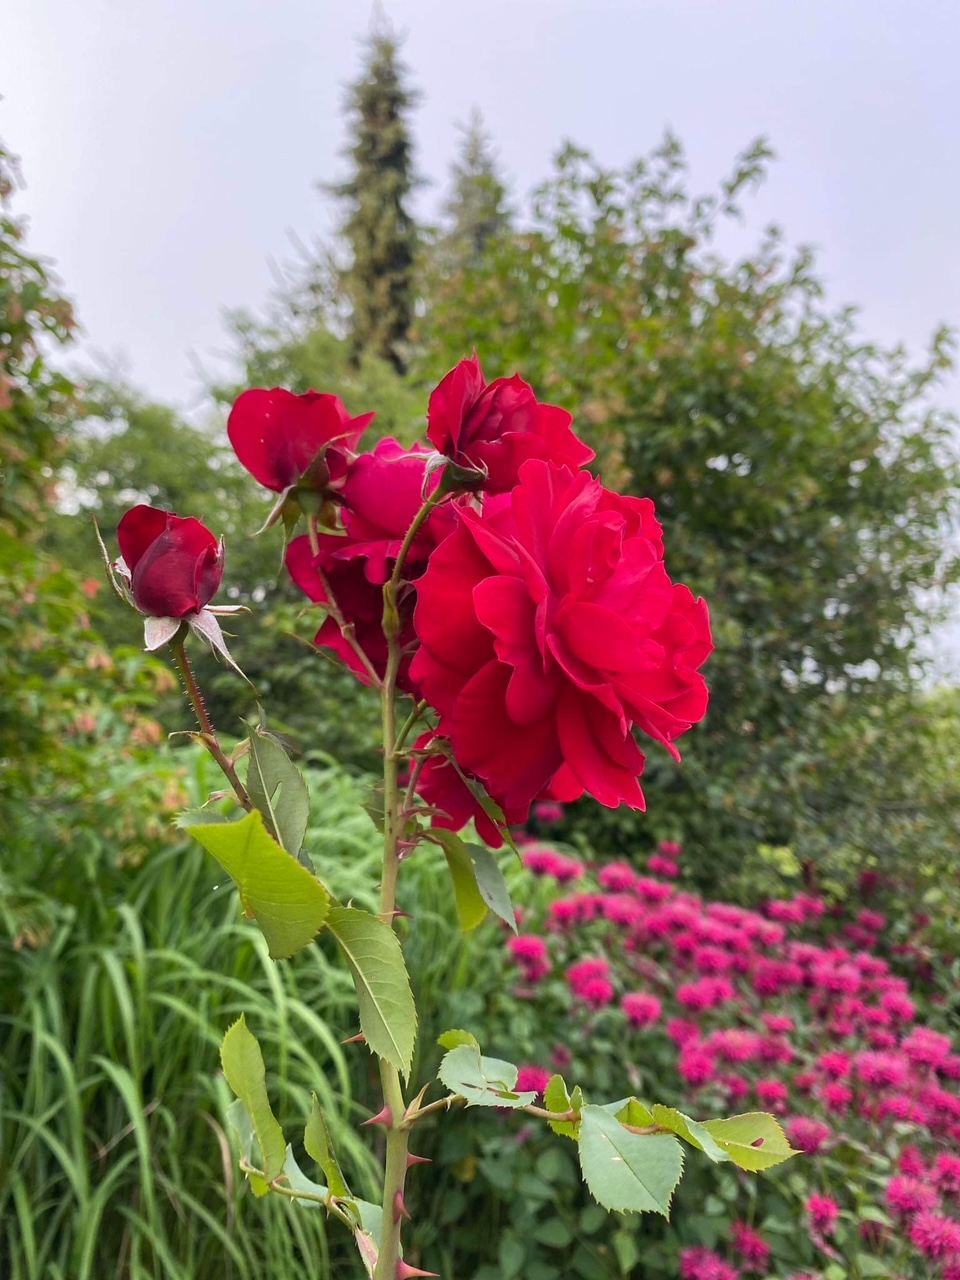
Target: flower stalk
x: 207, y: 735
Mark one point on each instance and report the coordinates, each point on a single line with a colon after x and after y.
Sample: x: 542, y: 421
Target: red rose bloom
x: 381, y: 495
x: 441, y: 787
x: 548, y: 628
x: 498, y: 427
x: 175, y: 563
x: 277, y: 435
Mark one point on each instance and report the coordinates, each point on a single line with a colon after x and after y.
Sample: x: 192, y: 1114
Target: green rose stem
x: 208, y: 735
x: 395, y: 1165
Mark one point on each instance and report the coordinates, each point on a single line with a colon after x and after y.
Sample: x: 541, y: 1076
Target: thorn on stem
x: 359, y: 1038
x: 399, y: 1208
x: 412, y: 1160
x: 384, y: 1117
x: 406, y: 1272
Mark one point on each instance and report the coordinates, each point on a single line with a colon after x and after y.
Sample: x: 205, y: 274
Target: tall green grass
x: 115, y: 1157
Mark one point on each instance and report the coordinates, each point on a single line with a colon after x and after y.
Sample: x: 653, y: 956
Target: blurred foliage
x: 36, y: 402
x: 806, y: 486
x: 504, y: 1197
x: 114, y: 1154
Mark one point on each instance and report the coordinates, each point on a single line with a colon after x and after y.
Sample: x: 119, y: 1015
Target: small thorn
x: 406, y: 1272
x: 407, y: 916
x: 399, y: 1208
x: 412, y: 1160
x: 359, y: 1038
x: 384, y: 1117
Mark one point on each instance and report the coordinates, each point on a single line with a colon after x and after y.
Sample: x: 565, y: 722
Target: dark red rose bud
x: 282, y: 438
x: 495, y: 428
x: 175, y: 563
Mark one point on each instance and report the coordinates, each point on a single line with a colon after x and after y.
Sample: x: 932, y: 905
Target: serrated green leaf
x: 373, y: 806
x: 276, y: 787
x: 200, y: 818
x: 299, y: 1181
x: 239, y: 1120
x: 483, y: 1082
x: 471, y: 908
x: 388, y: 1016
x: 635, y: 1113
x: 753, y: 1141
x: 289, y: 904
x: 556, y: 1098
x: 492, y: 886
x: 690, y: 1130
x: 626, y: 1171
x: 455, y: 1037
x: 316, y: 1140
x: 243, y: 1067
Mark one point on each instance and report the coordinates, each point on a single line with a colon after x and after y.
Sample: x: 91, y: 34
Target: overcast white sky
x: 169, y: 146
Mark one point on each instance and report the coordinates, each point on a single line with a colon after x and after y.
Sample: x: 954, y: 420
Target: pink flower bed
x: 782, y: 1010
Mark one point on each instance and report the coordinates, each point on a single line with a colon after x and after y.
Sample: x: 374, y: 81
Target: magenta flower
x: 641, y: 1008
x: 824, y: 1213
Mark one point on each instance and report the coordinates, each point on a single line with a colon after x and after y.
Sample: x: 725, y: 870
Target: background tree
x: 37, y: 403
x: 477, y: 203
x: 378, y: 228
x: 804, y: 482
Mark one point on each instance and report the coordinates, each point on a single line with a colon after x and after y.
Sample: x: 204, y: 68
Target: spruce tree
x: 378, y: 228
x: 477, y: 204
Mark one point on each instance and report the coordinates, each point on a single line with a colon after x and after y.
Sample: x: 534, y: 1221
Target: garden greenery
x: 524, y: 615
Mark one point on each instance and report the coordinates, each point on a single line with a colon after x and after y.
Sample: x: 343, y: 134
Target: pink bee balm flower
x: 532, y: 1079
x: 836, y: 1096
x: 641, y: 1008
x: 807, y: 1134
x: 907, y: 1196
x: 878, y: 1068
x: 750, y: 1246
x: 531, y: 954
x: 935, y: 1236
x: 550, y: 862
x: 698, y: 1263
x: 696, y: 1066
x: 835, y: 1063
x: 660, y: 866
x: 595, y: 992
x: 946, y: 1173
x: 772, y: 1093
x: 911, y: 1162
x: 616, y: 877
x: 926, y: 1047
x: 824, y: 1213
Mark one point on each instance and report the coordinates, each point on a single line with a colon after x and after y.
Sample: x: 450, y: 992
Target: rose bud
x: 170, y: 570
x: 298, y: 446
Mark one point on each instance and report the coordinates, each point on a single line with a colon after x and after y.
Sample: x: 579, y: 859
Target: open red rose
x: 381, y: 495
x: 441, y: 786
x: 382, y: 492
x: 548, y: 628
x: 359, y: 602
x: 498, y: 427
x: 278, y: 436
x: 175, y: 563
